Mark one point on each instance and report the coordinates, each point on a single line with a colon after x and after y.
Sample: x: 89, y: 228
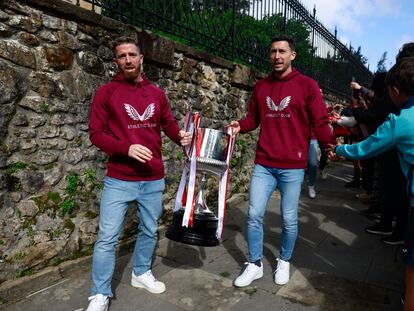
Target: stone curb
x: 14, y: 290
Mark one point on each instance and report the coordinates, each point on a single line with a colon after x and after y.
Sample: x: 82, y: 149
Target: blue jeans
x: 312, y: 162
x: 264, y: 182
x: 116, y: 196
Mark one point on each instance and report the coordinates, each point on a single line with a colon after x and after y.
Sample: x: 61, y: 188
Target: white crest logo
x: 134, y: 115
x: 283, y: 103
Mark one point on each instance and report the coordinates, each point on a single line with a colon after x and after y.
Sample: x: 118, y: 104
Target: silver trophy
x: 212, y: 148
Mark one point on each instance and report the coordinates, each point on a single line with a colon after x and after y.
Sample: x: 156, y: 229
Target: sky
x: 375, y: 25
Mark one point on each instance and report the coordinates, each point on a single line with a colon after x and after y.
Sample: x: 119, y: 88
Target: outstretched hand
x: 355, y: 85
x: 331, y: 151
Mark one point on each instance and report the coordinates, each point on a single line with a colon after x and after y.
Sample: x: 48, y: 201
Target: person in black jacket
x: 391, y: 181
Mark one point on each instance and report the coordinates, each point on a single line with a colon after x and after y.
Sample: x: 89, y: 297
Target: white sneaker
x: 148, y: 282
x: 311, y: 192
x: 324, y: 175
x: 98, y: 302
x: 282, y: 272
x: 251, y: 272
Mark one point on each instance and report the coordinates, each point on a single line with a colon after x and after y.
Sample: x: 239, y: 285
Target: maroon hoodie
x: 123, y: 114
x: 286, y: 110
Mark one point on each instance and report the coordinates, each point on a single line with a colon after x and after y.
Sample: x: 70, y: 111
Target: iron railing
x: 241, y: 30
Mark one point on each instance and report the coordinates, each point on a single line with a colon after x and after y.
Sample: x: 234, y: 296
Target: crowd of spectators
x: 380, y: 179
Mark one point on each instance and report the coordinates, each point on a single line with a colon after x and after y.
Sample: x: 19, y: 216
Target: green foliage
x: 233, y: 163
x: 2, y: 242
x: 67, y: 206
x: 77, y: 190
x: 358, y: 55
x: 208, y: 26
x: 48, y: 201
x: 18, y: 213
x: 78, y: 140
x: 44, y: 107
x: 57, y: 232
x: 177, y: 177
x: 69, y: 225
x: 381, y: 63
x: 219, y: 6
x: 29, y: 231
x: 225, y: 274
x: 92, y: 182
x: 13, y: 182
x: 15, y: 167
x: 73, y: 183
x: 180, y: 155
x: 213, y: 26
x: 18, y: 256
x: 28, y: 222
x: 54, y: 197
x: 91, y: 214
x: 71, y: 191
x: 23, y: 273
x: 90, y: 175
x: 56, y: 261
x: 250, y: 291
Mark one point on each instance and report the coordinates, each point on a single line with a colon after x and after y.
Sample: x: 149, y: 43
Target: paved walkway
x: 335, y: 265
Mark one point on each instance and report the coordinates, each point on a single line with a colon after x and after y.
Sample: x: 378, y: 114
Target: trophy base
x: 203, y: 232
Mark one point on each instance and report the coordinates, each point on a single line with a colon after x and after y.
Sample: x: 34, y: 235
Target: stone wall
x: 52, y: 59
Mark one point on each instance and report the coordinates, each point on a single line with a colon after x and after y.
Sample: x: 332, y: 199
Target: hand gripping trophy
x: 208, y: 154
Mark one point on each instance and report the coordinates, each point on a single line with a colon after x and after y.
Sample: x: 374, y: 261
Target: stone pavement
x: 335, y: 265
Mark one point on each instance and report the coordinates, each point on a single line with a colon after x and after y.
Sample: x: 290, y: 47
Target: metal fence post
x: 334, y: 58
x: 313, y: 40
x: 134, y: 12
x: 233, y: 31
x: 144, y: 13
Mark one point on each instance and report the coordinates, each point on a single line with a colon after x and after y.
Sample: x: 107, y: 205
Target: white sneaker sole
x: 151, y: 290
x: 247, y: 284
x: 281, y: 282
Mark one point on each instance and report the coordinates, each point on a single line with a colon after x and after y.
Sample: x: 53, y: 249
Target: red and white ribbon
x: 181, y: 198
x: 189, y: 205
x: 223, y: 185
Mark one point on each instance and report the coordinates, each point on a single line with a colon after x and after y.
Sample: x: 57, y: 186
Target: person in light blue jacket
x: 397, y: 131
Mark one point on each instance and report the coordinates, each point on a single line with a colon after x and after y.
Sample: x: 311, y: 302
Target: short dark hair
x: 407, y: 50
x: 401, y: 76
x: 283, y: 37
x: 126, y: 40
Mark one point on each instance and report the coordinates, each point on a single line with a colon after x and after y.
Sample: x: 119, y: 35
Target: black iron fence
x: 241, y: 31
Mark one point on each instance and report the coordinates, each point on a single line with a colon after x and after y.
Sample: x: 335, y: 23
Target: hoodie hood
x: 120, y: 79
x: 290, y: 76
x: 133, y: 86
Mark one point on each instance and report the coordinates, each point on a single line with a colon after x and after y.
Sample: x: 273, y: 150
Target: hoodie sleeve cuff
x: 125, y: 148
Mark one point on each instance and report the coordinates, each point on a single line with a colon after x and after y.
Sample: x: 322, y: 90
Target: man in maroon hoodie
x: 286, y: 105
x: 126, y: 120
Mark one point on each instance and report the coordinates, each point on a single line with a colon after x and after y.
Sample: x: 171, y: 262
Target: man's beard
x: 131, y: 76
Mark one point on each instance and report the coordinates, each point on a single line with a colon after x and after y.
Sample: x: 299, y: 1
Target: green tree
x: 223, y: 5
x: 358, y: 54
x: 381, y: 63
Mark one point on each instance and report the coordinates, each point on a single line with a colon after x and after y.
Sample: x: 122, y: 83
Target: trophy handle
x: 191, y: 124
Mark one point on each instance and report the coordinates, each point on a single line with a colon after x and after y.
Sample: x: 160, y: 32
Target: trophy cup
x: 209, y: 154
